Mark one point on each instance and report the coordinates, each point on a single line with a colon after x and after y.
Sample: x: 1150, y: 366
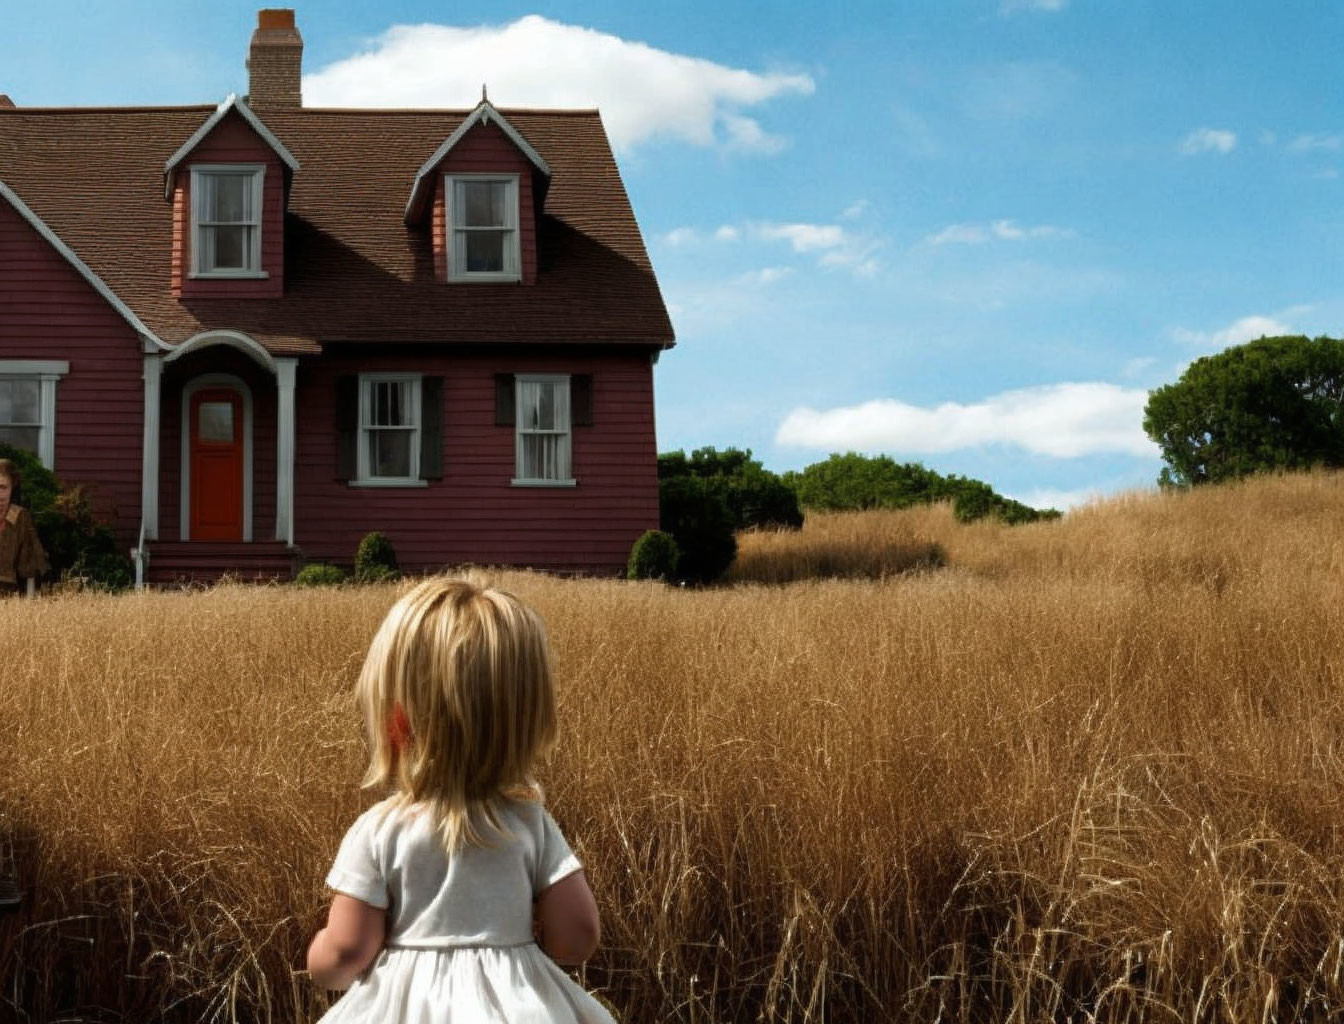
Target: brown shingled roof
x: 354, y: 270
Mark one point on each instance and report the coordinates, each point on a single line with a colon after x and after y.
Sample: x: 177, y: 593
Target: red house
x: 263, y: 330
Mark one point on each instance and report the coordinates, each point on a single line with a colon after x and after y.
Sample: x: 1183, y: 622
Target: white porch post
x: 149, y: 463
x: 284, y: 450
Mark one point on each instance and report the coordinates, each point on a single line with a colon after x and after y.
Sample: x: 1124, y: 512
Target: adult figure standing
x: 21, y: 554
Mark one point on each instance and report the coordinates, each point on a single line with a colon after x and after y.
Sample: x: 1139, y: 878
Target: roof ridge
x: 462, y: 111
x: 29, y: 109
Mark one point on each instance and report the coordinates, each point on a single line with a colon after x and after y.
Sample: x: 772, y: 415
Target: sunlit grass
x: 1090, y: 769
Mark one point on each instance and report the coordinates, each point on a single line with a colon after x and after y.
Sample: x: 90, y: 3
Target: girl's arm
x: 567, y: 916
x: 343, y: 950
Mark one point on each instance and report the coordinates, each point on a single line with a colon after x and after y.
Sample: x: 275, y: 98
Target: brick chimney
x: 274, y: 62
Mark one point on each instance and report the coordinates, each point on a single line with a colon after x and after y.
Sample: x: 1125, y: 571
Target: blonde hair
x: 469, y: 668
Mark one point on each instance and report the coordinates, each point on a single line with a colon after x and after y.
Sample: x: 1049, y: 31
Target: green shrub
x: 79, y: 545
x: 653, y: 557
x: 694, y: 512
x: 320, y: 574
x: 376, y: 559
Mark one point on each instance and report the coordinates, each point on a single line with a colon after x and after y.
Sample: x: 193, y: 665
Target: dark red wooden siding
x: 232, y: 141
x: 177, y: 375
x: 48, y: 311
x: 487, y: 150
x: 474, y: 514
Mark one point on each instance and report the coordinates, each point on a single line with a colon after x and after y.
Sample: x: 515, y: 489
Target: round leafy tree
x: 1271, y: 404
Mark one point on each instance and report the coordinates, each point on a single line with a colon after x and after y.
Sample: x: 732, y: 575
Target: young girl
x: 449, y: 891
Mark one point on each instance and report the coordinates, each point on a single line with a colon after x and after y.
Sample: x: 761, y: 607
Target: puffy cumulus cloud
x: 681, y: 236
x: 644, y: 93
x: 1208, y: 140
x: 1058, y: 420
x: 1001, y: 230
x: 727, y: 233
x: 1248, y: 328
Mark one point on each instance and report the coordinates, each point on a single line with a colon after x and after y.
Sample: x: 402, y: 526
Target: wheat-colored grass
x: 1090, y: 770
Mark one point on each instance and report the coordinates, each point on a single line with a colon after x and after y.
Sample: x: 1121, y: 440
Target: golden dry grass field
x: 1087, y: 769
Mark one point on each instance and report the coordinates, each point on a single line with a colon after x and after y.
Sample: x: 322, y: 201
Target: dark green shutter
x: 581, y: 399
x: 504, y: 401
x: 431, y: 428
x: 347, y: 425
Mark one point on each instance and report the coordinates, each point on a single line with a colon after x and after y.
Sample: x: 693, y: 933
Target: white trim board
x: 484, y: 113
x: 231, y: 102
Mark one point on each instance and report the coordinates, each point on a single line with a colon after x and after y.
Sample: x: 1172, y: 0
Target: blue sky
x: 970, y: 233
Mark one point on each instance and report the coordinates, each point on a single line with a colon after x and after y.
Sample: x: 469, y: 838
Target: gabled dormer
x: 481, y: 193
x: 229, y: 185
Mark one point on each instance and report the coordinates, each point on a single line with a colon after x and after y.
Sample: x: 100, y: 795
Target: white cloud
x: 644, y: 93
x: 1057, y: 420
x: 1208, y: 140
x: 1316, y: 143
x: 833, y: 244
x: 765, y: 276
x: 681, y: 236
x: 856, y: 209
x: 1248, y: 328
x: 1003, y: 230
x: 803, y: 237
x: 1009, y: 6
x: 960, y: 234
x: 1052, y: 497
x: 727, y: 233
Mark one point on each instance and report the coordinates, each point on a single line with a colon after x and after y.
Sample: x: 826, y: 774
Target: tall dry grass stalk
x: 1090, y: 771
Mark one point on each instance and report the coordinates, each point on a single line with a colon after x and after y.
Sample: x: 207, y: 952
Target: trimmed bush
x: 376, y: 559
x: 653, y: 557
x: 694, y: 512
x: 320, y: 574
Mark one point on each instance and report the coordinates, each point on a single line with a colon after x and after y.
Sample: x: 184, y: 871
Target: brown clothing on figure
x: 21, y: 554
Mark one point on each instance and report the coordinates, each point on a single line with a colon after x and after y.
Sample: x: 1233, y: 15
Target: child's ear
x: 398, y: 727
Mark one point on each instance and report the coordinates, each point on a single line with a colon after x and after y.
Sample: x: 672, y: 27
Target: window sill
x: 388, y: 483
x: 231, y: 275
x: 485, y: 279
x: 543, y: 483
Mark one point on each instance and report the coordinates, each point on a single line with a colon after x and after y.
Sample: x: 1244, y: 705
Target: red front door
x: 216, y: 452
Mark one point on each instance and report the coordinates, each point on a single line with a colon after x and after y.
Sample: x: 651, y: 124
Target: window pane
x: 545, y: 456
x: 25, y: 400
x: 215, y: 421
x: 483, y: 203
x: 390, y: 404
x: 20, y: 437
x: 229, y: 197
x: 485, y: 251
x: 537, y: 405
x: 390, y: 453
x: 230, y: 250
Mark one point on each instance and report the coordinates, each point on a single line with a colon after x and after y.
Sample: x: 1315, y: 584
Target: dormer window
x: 226, y: 220
x: 483, y: 227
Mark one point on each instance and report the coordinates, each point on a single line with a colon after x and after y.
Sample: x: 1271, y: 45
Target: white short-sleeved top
x: 478, y: 896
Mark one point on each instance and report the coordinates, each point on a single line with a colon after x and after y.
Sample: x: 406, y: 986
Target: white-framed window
x: 28, y: 405
x: 482, y: 233
x: 542, y: 430
x: 389, y: 429
x: 226, y: 202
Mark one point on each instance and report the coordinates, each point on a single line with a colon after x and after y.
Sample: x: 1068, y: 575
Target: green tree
x: 1271, y: 404
x: 694, y: 512
x: 755, y: 496
x: 853, y: 481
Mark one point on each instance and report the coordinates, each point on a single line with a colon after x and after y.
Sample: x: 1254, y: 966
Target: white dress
x: 459, y: 940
